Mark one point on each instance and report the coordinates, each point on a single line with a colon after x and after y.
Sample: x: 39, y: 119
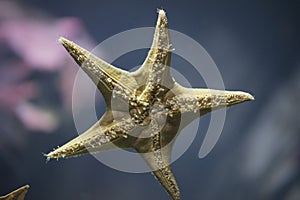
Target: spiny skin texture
x: 146, y: 109
x: 18, y: 194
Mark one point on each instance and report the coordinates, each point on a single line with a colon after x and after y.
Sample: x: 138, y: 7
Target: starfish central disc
x: 139, y: 111
x: 144, y: 103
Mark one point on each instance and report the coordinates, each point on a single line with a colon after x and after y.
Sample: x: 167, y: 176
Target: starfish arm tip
x: 62, y: 152
x: 237, y: 97
x: 245, y: 96
x: 250, y: 97
x: 66, y: 43
x: 62, y: 40
x: 161, y: 12
x: 50, y: 155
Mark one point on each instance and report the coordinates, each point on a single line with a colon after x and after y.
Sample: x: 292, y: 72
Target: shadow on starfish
x: 18, y: 194
x: 146, y: 109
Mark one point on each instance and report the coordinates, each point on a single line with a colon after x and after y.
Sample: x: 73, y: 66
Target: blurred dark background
x: 255, y: 45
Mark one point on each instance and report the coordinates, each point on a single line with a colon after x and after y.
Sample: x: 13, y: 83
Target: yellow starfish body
x: 148, y: 115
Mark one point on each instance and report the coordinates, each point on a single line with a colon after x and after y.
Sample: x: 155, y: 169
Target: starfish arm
x: 108, y: 78
x: 157, y: 153
x: 98, y: 138
x: 166, y: 178
x: 18, y: 194
x: 159, y: 162
x: 157, y: 64
x: 205, y: 100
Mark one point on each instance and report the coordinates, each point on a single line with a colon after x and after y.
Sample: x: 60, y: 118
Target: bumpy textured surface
x: 150, y: 105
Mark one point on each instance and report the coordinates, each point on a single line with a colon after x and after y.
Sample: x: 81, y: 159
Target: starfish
x: 146, y: 109
x: 18, y: 194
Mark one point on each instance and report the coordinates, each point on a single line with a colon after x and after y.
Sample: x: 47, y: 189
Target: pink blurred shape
x: 34, y: 40
x: 32, y: 37
x: 36, y: 118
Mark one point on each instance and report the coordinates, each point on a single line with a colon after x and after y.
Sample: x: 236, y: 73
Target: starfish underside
x: 146, y: 109
x: 18, y: 194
